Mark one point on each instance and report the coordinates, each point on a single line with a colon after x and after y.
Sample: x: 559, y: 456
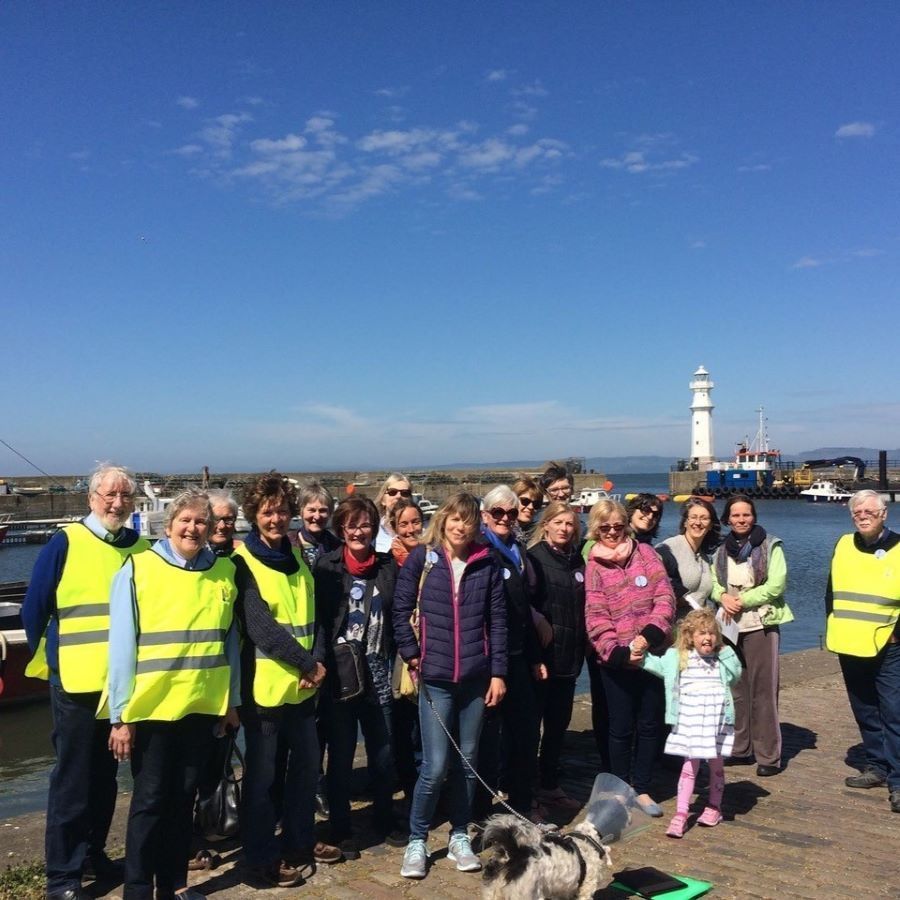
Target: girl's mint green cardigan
x: 667, y: 668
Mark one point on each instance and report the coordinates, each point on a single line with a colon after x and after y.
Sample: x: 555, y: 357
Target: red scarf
x: 356, y: 568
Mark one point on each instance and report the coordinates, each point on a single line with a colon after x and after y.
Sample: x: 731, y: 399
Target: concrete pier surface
x: 800, y: 834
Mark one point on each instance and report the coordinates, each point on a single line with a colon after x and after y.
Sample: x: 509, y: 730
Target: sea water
x: 809, y: 532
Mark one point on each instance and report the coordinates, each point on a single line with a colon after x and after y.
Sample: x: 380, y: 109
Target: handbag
x: 349, y: 671
x: 217, y: 810
x: 405, y: 681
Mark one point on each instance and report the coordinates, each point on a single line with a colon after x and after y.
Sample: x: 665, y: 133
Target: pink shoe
x: 677, y: 825
x: 709, y: 817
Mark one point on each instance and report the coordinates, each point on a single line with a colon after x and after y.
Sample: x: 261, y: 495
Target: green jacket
x: 770, y: 592
x: 667, y: 667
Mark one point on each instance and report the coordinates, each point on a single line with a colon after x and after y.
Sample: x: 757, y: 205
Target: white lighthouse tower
x: 701, y: 420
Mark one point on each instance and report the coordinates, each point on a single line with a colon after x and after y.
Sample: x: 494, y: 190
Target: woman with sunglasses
x: 559, y: 595
x: 629, y: 607
x: 355, y: 591
x: 509, y: 740
x: 749, y: 579
x: 644, y: 516
x: 395, y: 487
x: 530, y: 502
x: 460, y: 655
x: 687, y: 555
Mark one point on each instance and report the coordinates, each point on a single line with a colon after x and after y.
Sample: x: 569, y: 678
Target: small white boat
x: 589, y: 496
x: 428, y: 507
x: 825, y: 492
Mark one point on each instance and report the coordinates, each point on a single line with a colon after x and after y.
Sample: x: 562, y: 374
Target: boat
x: 15, y: 685
x: 5, y: 519
x: 589, y: 496
x: 826, y: 492
x: 751, y: 472
x: 427, y: 507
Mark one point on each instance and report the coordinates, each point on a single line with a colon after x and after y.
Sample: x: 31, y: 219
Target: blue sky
x: 355, y: 235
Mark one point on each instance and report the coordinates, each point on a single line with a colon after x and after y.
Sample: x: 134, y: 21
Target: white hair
x: 120, y: 473
x: 502, y: 494
x: 860, y: 497
x: 221, y: 496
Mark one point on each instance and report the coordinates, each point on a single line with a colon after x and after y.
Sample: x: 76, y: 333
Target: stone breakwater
x: 801, y: 834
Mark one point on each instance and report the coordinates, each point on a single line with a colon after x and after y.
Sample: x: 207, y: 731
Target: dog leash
x: 424, y: 688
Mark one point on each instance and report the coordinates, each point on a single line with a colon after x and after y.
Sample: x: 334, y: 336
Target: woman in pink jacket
x: 629, y: 606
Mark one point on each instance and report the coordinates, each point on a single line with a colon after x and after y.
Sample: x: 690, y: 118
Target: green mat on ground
x: 692, y: 888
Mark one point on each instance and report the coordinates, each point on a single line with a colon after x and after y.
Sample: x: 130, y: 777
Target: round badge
x: 506, y: 574
x: 356, y: 592
x: 880, y: 553
x: 431, y: 556
x: 579, y: 577
x: 641, y: 581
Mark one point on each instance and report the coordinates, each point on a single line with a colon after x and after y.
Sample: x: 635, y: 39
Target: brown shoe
x: 320, y: 853
x: 280, y: 874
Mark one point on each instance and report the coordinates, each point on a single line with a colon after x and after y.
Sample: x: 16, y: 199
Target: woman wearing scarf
x: 281, y: 668
x: 749, y: 578
x: 405, y: 520
x: 314, y: 539
x: 629, y: 606
x: 509, y: 739
x: 355, y: 590
x: 559, y: 596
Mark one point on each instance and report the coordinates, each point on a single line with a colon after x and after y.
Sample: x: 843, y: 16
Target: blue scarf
x: 511, y: 550
x: 281, y: 559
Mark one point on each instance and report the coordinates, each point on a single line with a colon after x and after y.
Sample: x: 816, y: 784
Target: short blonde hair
x: 601, y: 512
x: 553, y: 509
x: 393, y: 478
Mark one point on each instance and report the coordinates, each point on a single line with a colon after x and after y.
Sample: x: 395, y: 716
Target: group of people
x: 299, y: 637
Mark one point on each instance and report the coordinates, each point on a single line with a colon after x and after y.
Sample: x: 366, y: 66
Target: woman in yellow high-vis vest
x: 281, y: 666
x: 174, y: 683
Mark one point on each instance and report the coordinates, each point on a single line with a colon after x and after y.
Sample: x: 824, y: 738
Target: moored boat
x: 825, y: 492
x: 589, y: 496
x: 15, y: 685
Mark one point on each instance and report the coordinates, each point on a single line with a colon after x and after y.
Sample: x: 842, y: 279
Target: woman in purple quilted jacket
x: 460, y: 660
x: 629, y: 606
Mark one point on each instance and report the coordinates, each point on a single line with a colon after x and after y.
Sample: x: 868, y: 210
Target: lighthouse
x: 701, y: 420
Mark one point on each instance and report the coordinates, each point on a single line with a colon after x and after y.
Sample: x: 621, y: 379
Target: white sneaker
x: 415, y: 859
x: 460, y: 852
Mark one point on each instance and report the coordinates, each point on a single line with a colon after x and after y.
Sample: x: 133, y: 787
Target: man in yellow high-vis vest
x: 863, y: 607
x: 66, y: 619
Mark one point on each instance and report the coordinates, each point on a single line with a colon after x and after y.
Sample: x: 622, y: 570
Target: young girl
x: 698, y: 673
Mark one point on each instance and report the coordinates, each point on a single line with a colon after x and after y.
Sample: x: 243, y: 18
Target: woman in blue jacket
x: 460, y: 657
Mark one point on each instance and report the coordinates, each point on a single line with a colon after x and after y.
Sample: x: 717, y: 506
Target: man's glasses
x: 867, y: 514
x: 226, y: 520
x: 124, y: 496
x: 403, y: 492
x: 528, y: 501
x: 497, y: 513
x: 610, y: 529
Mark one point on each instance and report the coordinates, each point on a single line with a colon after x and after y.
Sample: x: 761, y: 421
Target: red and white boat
x: 15, y: 685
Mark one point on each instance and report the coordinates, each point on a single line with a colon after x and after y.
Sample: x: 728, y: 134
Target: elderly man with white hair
x: 863, y: 607
x: 66, y: 619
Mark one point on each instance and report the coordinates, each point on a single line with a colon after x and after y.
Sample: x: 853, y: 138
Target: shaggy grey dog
x: 531, y: 864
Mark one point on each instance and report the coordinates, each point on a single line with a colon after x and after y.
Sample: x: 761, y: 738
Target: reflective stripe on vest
x: 291, y: 600
x: 82, y: 610
x: 183, y: 617
x: 866, y: 592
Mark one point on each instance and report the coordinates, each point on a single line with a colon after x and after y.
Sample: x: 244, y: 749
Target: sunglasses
x: 648, y: 509
x: 403, y: 492
x: 527, y: 501
x: 610, y: 529
x: 497, y: 513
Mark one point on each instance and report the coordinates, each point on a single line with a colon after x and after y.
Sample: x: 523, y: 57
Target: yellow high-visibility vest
x: 82, y: 610
x: 291, y: 600
x: 183, y: 617
x: 866, y: 591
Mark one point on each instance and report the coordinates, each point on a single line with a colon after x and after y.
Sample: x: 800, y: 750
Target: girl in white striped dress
x: 698, y: 672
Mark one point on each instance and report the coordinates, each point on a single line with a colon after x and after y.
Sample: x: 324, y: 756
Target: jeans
x: 636, y: 701
x: 82, y: 795
x: 556, y: 696
x: 343, y: 721
x: 873, y: 686
x: 599, y: 711
x: 166, y: 763
x: 460, y: 706
x: 296, y: 725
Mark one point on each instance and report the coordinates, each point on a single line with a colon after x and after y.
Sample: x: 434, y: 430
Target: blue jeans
x: 83, y: 787
x: 873, y: 686
x: 461, y: 707
x: 297, y: 727
x: 342, y: 722
x: 636, y: 701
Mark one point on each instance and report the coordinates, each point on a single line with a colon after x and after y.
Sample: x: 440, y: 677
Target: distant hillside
x: 831, y: 452
x: 622, y: 465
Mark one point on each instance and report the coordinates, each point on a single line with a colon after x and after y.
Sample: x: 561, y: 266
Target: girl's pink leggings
x: 689, y: 775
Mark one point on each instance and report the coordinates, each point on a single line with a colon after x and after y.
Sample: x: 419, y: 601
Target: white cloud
x: 187, y: 102
x: 636, y: 162
x: 288, y: 143
x: 497, y: 75
x: 80, y: 155
x: 535, y: 89
x: 808, y: 262
x: 698, y: 245
x: 856, y: 129
x: 518, y: 130
x: 866, y: 252
x: 220, y: 133
x: 755, y: 167
x: 188, y: 150
x: 391, y: 93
